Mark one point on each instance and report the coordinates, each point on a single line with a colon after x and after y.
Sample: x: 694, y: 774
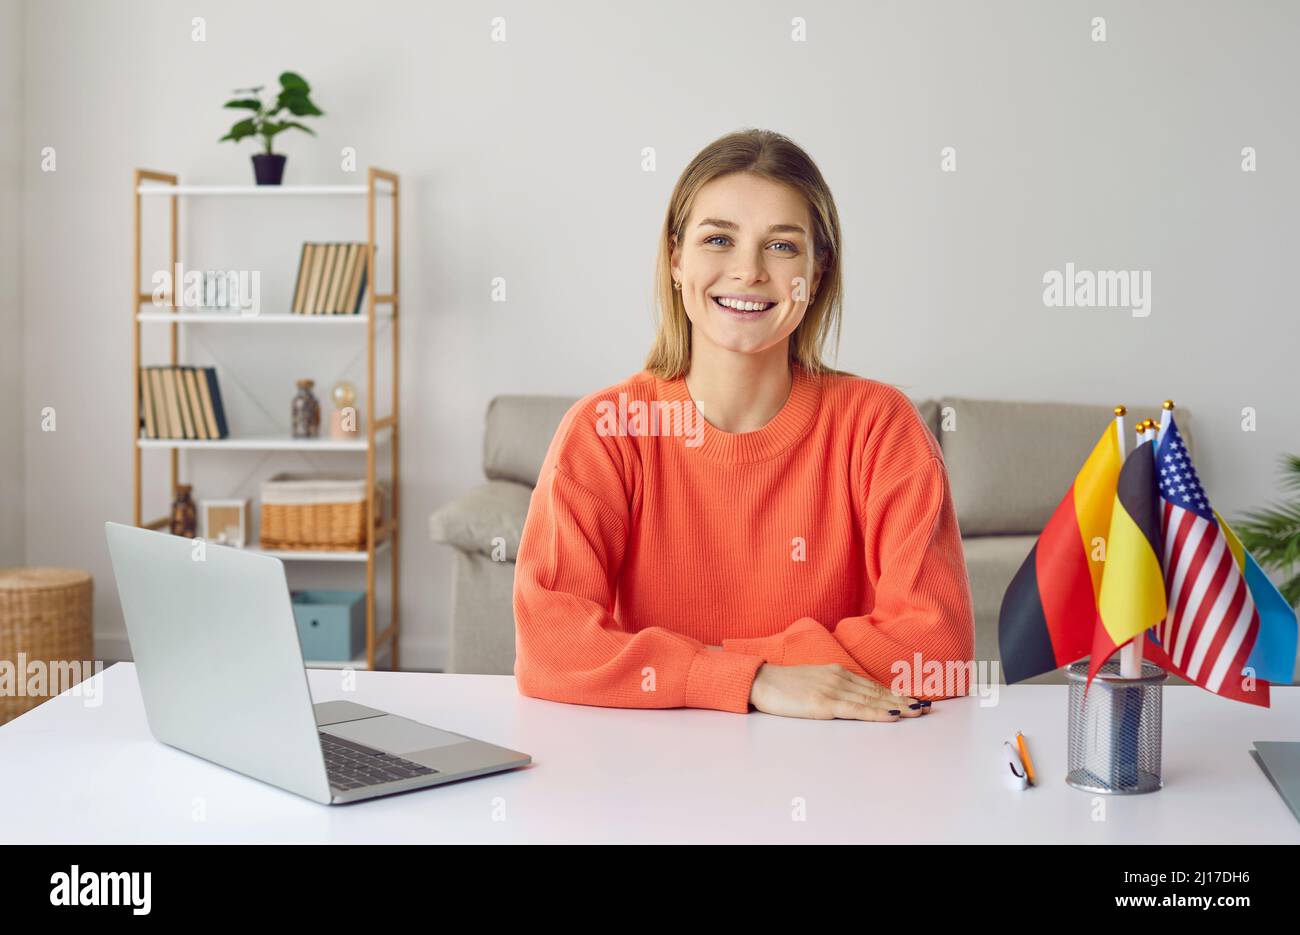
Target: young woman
x: 795, y: 548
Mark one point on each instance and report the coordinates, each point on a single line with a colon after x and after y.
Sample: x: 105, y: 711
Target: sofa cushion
x: 519, y: 430
x: 492, y: 511
x: 1010, y: 463
x: 929, y: 410
x: 992, y: 561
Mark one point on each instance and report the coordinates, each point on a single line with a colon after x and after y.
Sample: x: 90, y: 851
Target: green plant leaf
x: 1291, y: 472
x: 1272, y: 534
x: 1291, y: 591
x: 246, y: 103
x: 293, y: 80
x: 298, y: 104
x: 272, y: 127
x: 241, y: 130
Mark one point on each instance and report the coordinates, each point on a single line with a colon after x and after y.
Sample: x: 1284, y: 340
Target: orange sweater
x: 826, y: 536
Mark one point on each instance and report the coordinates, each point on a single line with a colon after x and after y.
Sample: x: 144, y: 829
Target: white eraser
x: 1013, y: 771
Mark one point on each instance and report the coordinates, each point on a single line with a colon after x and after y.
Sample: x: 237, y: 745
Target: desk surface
x: 75, y: 773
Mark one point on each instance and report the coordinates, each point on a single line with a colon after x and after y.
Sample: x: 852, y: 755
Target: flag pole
x: 1130, y: 656
x: 1166, y: 413
x: 1166, y: 416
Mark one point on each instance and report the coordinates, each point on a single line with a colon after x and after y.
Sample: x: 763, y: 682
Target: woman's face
x: 745, y: 262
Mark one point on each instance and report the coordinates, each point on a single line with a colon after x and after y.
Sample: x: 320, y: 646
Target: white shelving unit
x: 380, y: 431
x: 265, y: 443
x: 233, y: 318
x: 298, y: 555
x: 146, y: 187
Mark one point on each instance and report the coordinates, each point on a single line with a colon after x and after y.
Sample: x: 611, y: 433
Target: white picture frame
x: 225, y: 522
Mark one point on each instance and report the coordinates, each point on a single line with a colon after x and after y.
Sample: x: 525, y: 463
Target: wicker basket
x: 317, y: 512
x: 45, y: 614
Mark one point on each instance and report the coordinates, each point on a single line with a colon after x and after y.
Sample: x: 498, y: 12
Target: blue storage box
x: 331, y: 624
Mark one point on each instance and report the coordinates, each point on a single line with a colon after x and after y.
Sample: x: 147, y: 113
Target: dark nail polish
x: 925, y: 704
x: 916, y: 706
x: 895, y: 711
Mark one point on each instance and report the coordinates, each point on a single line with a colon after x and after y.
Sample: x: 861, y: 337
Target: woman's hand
x: 825, y: 692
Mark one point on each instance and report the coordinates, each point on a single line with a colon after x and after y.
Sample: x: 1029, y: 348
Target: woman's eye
x: 789, y: 247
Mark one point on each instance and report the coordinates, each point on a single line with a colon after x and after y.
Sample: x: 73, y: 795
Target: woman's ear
x: 674, y: 257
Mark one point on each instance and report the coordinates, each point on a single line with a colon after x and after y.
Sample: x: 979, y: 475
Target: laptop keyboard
x: 352, y: 765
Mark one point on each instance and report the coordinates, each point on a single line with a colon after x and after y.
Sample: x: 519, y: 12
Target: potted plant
x: 1272, y: 535
x: 268, y: 167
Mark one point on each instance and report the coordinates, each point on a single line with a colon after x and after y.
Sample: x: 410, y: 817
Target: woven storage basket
x: 45, y: 614
x: 319, y: 512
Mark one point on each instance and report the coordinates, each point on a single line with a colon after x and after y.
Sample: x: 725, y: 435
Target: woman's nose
x: 748, y: 268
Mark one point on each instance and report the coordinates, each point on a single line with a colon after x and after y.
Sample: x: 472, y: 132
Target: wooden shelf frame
x: 381, y: 431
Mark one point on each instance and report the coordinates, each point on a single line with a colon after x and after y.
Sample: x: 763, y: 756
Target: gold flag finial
x: 1167, y: 404
x: 1121, y: 410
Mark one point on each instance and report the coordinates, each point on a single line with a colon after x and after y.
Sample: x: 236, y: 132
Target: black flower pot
x: 268, y: 168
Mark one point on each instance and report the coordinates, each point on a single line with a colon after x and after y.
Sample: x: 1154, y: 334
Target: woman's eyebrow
x: 774, y: 229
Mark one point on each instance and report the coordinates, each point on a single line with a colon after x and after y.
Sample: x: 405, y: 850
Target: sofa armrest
x: 488, y: 517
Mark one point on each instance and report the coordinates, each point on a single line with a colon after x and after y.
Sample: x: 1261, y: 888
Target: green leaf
x: 256, y: 90
x: 272, y: 127
x: 298, y: 104
x: 241, y: 130
x: 293, y: 80
x: 247, y: 104
x: 1291, y: 471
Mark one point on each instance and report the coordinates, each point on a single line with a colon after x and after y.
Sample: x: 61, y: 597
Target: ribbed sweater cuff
x: 721, y: 680
x: 771, y: 648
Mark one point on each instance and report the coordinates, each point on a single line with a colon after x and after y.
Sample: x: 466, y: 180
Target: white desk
x: 77, y: 774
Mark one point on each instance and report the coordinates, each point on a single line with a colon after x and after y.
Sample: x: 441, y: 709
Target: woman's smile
x: 742, y: 307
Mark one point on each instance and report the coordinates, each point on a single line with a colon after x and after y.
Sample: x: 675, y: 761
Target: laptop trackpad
x: 393, y: 734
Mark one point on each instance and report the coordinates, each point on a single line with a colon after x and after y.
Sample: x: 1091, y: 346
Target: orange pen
x: 1024, y: 758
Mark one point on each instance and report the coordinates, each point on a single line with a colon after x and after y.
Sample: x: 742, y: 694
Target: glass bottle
x: 184, y: 516
x: 306, y: 411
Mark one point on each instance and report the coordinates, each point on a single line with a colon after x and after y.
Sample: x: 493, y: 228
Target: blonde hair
x: 776, y: 158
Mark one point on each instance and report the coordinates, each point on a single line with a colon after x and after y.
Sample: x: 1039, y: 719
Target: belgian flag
x: 1049, y: 612
x: 1132, y: 597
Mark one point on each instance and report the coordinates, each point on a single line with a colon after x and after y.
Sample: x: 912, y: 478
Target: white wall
x: 522, y: 160
x: 13, y: 414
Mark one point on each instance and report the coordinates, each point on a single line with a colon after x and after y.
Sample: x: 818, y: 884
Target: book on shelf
x: 332, y: 279
x: 196, y: 411
x: 182, y: 403
x: 182, y: 399
x: 300, y: 290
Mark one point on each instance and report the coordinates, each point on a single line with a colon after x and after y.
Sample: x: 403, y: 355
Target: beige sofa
x: 1009, y: 464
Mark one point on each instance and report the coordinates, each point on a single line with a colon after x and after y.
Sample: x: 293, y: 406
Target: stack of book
x: 181, y: 402
x: 331, y: 279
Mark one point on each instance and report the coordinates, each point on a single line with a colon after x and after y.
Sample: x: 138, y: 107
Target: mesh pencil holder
x: 1114, y: 735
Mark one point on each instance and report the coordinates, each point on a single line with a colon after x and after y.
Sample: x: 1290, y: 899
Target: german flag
x: 1049, y: 612
x: 1132, y: 597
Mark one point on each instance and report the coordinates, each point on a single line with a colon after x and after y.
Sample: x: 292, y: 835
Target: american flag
x: 1212, y: 621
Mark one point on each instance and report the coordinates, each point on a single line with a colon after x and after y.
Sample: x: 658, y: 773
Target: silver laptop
x: 221, y: 671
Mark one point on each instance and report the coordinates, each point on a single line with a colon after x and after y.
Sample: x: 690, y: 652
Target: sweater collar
x: 785, y: 428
